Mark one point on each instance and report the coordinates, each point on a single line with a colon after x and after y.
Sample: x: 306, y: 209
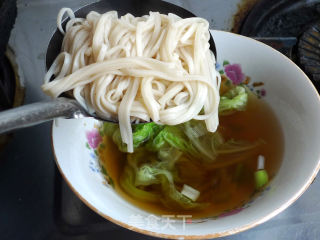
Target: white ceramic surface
x: 296, y: 104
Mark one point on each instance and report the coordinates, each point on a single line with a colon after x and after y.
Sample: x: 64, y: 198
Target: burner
x: 7, y: 84
x: 11, y: 93
x: 291, y: 27
x: 11, y: 87
x: 309, y: 52
x: 281, y: 18
x: 8, y: 12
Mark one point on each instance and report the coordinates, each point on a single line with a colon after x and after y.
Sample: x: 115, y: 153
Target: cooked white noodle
x: 135, y: 69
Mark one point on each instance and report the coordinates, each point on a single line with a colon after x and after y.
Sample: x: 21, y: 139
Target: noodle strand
x: 131, y: 69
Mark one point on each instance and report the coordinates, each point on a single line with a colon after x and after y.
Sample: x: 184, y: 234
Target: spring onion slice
x: 190, y: 192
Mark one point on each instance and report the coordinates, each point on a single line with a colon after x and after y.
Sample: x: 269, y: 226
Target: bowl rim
x: 211, y: 235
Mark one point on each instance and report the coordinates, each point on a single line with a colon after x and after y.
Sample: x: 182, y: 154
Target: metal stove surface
x: 36, y: 203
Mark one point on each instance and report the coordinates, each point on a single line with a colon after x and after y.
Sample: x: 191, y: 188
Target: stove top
x: 292, y: 27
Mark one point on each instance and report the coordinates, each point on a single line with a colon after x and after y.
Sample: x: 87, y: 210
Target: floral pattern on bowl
x: 94, y: 141
x: 233, y: 73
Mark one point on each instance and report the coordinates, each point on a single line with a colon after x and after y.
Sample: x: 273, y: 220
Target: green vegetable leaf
x: 169, y: 156
x: 144, y: 132
x: 225, y: 62
x: 109, y: 128
x: 141, y: 133
x: 234, y: 100
x: 116, y: 137
x: 204, y: 143
x: 236, y: 146
x: 177, y: 139
x: 127, y: 180
x: 172, y: 137
x: 149, y: 174
x: 175, y: 199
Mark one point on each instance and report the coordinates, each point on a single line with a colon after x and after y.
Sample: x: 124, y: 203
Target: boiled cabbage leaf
x: 235, y: 99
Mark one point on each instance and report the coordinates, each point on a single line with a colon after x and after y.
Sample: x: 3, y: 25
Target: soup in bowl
x: 270, y: 148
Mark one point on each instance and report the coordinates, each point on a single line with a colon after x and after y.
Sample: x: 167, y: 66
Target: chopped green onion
x: 190, y: 192
x: 261, y: 175
x: 260, y: 162
x: 261, y: 178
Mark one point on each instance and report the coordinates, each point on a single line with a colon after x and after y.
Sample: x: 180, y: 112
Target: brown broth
x: 226, y: 188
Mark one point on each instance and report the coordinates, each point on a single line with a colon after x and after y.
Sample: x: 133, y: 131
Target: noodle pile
x: 132, y: 69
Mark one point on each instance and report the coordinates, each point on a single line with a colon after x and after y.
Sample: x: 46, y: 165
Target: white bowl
x: 295, y: 102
